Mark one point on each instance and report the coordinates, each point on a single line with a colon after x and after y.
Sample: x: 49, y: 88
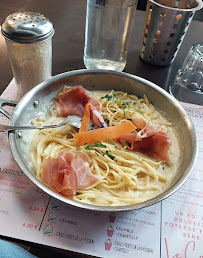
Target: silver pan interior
x: 45, y: 94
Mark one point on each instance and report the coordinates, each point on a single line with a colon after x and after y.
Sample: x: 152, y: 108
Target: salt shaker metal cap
x: 27, y: 27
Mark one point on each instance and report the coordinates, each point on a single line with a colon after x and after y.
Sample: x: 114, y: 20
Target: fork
x: 70, y: 120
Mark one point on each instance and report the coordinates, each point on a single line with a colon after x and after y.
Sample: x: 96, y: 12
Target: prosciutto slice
x: 156, y: 145
x: 149, y: 140
x: 139, y: 122
x: 72, y: 101
x: 68, y: 173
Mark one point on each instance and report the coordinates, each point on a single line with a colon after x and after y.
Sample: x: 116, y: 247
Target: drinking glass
x: 188, y: 84
x: 108, y: 28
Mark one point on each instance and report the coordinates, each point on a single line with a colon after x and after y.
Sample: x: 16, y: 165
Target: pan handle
x: 5, y: 102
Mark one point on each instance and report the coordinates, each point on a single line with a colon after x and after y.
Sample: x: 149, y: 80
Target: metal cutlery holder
x: 166, y: 23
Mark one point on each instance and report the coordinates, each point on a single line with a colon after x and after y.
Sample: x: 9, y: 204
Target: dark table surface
x: 68, y: 17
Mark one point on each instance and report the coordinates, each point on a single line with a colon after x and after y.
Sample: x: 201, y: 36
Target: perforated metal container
x: 166, y: 23
x: 29, y: 43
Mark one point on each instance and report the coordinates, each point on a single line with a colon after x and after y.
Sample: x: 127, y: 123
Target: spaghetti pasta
x: 125, y: 175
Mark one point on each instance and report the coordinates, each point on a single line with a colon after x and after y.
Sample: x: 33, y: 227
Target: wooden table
x: 68, y: 18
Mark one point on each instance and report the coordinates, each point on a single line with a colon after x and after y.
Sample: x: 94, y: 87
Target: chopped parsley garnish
x: 98, y: 144
x: 97, y: 153
x: 110, y: 96
x: 109, y: 155
x: 126, y: 144
x: 126, y: 103
x: 112, y: 143
x: 106, y: 121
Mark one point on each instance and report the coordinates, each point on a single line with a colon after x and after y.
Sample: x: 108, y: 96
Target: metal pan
x: 38, y: 101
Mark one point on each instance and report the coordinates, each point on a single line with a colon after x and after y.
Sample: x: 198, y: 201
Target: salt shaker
x: 28, y: 38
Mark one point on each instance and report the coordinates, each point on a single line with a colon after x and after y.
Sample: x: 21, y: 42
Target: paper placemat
x: 171, y: 228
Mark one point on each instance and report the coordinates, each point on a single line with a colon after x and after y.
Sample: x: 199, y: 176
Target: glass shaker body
x: 28, y: 38
x: 108, y: 29
x: 31, y: 63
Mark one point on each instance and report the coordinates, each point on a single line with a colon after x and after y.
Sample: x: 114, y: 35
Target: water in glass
x: 108, y: 28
